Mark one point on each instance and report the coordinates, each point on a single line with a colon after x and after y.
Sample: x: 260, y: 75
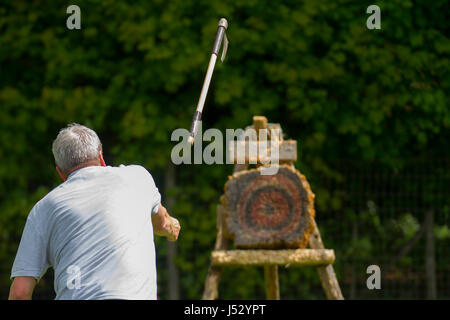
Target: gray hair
x: 75, y: 145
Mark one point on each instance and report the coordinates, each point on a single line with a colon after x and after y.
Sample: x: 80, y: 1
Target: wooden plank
x: 326, y: 273
x: 294, y: 257
x: 211, y: 291
x: 272, y: 283
x: 252, y: 152
x: 259, y: 122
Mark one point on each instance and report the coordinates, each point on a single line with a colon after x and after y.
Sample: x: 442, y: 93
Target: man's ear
x: 100, y: 157
x: 61, y: 174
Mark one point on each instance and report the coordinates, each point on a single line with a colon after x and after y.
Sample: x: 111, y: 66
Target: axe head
x: 221, y: 35
x: 223, y: 23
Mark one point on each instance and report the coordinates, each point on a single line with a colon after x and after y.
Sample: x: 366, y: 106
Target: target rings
x: 269, y: 211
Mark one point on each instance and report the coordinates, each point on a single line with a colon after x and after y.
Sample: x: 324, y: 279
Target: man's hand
x: 164, y: 225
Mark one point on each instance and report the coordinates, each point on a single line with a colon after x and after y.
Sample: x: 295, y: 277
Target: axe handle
x: 222, y: 27
x: 201, y: 101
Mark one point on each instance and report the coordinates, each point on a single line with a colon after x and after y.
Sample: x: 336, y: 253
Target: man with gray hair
x: 95, y: 229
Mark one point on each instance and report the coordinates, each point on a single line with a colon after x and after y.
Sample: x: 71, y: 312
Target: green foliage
x: 442, y: 232
x: 408, y: 224
x: 134, y: 72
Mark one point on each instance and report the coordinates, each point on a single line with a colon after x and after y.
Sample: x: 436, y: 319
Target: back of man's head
x: 74, y: 146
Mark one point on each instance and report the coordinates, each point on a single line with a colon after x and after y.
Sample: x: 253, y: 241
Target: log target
x: 269, y: 211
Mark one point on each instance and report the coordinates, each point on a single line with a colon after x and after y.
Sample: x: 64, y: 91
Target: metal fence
x: 398, y: 219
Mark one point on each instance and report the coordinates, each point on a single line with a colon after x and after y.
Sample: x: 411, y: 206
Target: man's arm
x: 22, y: 288
x: 165, y: 225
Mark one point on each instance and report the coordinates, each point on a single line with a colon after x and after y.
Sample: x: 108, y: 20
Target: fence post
x: 174, y: 284
x: 430, y: 263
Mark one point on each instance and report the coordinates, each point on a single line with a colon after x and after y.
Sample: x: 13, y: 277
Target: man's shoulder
x: 133, y: 169
x: 135, y: 172
x: 44, y: 205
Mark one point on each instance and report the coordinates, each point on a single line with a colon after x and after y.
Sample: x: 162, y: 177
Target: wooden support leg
x: 211, y: 291
x: 272, y: 284
x: 327, y: 276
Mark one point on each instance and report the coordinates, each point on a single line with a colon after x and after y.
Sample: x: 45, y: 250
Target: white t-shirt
x: 95, y: 230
